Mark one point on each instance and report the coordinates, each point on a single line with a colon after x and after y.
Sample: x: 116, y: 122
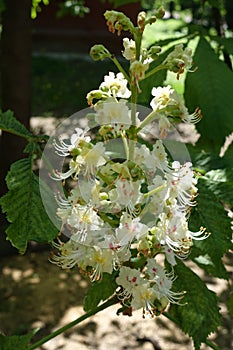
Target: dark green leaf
x: 15, y: 342
x: 211, y: 214
x: 100, y: 291
x: 200, y: 316
x: 210, y: 88
x: 227, y: 44
x: 24, y: 208
x: 221, y: 183
x: 228, y: 156
x: 230, y: 305
x: 10, y: 124
x: 153, y: 81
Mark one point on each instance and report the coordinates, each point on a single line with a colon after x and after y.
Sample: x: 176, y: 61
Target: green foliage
x: 200, y: 316
x: 118, y: 3
x: 211, y: 214
x: 152, y: 81
x: 211, y: 88
x: 230, y: 305
x: 100, y: 290
x: 10, y: 124
x: 16, y: 342
x: 51, y: 92
x: 36, y: 7
x: 72, y: 7
x: 220, y: 181
x: 24, y: 208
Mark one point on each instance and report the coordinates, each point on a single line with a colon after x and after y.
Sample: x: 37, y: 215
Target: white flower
x: 182, y: 184
x: 172, y: 230
x: 111, y: 112
x: 71, y: 254
x: 129, y: 279
x: 101, y: 261
x: 64, y: 149
x: 167, y: 103
x: 94, y: 158
x: 74, y: 169
x: 129, y: 49
x: 163, y: 282
x: 162, y: 97
x: 158, y: 194
x: 157, y: 158
x: 115, y: 85
x: 144, y: 297
x: 138, y: 70
x: 126, y: 194
x: 130, y: 229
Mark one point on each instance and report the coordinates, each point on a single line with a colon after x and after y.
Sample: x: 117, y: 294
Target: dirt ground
x: 35, y: 293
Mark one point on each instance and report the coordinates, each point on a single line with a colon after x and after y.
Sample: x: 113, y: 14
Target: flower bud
x: 179, y: 59
x: 154, y: 51
x: 138, y: 70
x: 99, y: 52
x: 118, y: 21
x: 95, y: 95
x: 141, y: 20
x: 160, y: 12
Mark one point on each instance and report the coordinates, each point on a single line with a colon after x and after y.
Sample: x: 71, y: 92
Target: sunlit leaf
x: 210, y: 88
x: 9, y: 123
x: 100, y: 291
x: 211, y: 214
x: 24, y: 208
x: 200, y: 316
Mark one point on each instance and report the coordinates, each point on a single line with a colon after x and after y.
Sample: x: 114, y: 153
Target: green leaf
x: 200, y: 316
x: 10, y: 124
x: 228, y: 156
x: 227, y: 43
x: 100, y: 290
x: 154, y: 80
x: 15, y: 342
x: 210, y: 88
x: 24, y: 208
x: 221, y: 183
x: 211, y: 214
x: 230, y: 305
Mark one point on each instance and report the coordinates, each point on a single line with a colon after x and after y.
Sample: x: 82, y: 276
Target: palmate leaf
x: 211, y: 214
x: 24, y: 208
x: 200, y: 316
x: 220, y: 181
x: 16, y: 342
x: 100, y: 291
x: 10, y: 124
x: 210, y: 88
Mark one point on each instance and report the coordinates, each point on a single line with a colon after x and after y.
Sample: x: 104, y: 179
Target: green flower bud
x: 118, y: 21
x: 160, y: 12
x: 95, y: 95
x: 99, y: 52
x: 154, y: 51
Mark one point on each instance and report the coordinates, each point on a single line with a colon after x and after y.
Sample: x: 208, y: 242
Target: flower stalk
x: 105, y: 305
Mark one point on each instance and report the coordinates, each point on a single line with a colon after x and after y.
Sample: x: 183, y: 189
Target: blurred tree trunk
x: 15, y: 78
